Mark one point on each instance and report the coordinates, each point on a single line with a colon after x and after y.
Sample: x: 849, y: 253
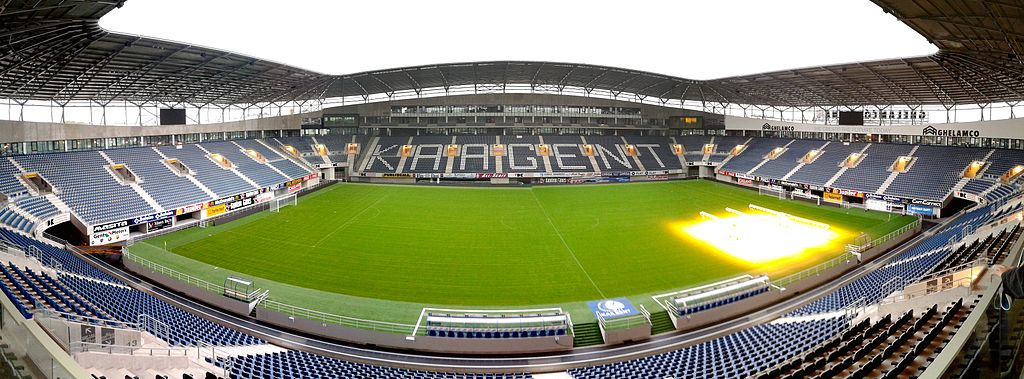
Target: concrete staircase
x: 587, y: 334
x: 661, y: 322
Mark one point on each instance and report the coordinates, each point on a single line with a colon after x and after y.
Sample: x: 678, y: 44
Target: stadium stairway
x: 661, y: 323
x: 587, y: 334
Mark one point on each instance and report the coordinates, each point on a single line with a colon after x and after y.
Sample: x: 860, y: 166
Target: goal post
x: 770, y: 191
x: 797, y: 195
x: 283, y: 201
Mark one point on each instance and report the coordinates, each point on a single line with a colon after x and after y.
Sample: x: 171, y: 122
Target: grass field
x: 385, y: 251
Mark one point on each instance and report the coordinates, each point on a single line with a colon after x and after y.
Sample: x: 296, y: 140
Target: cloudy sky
x: 697, y: 40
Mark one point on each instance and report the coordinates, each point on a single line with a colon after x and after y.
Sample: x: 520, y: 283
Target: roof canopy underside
x: 55, y: 50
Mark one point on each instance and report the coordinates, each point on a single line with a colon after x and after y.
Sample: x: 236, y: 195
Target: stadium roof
x: 55, y: 50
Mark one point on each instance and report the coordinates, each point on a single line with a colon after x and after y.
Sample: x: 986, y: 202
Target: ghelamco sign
x: 933, y: 131
x: 778, y: 128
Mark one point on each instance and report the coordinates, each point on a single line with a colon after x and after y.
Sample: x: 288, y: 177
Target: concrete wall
x: 20, y: 131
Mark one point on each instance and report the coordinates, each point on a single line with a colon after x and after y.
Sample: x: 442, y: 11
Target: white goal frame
x: 282, y: 201
x: 768, y: 191
x: 795, y: 194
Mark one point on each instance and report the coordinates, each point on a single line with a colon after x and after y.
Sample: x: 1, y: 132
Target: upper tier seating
x: 479, y: 145
x: 827, y: 164
x: 783, y: 164
x: 304, y: 145
x: 753, y: 155
x: 86, y: 186
x: 520, y: 158
x: 263, y: 175
x: 221, y: 181
x: 387, y: 155
x: 1002, y: 161
x: 873, y: 168
x: 275, y: 158
x: 941, y: 167
x: 610, y: 153
x: 167, y: 188
x: 693, y: 147
x: 662, y: 159
x: 566, y: 146
x: 724, y: 146
x: 9, y: 183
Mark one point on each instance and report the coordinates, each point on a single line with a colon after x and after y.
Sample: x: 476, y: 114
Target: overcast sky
x: 698, y: 40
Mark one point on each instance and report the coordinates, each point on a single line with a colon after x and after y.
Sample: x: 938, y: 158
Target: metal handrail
x: 91, y: 347
x: 329, y: 318
x: 817, y: 269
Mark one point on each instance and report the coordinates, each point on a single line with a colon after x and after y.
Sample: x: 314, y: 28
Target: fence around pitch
x: 846, y: 256
x: 277, y: 306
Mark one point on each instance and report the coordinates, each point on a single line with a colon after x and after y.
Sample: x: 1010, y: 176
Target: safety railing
x: 845, y: 257
x: 333, y: 319
x: 628, y: 322
x: 174, y: 274
x: 92, y: 347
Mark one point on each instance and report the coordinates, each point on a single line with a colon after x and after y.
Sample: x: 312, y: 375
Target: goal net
x: 772, y: 191
x: 279, y: 202
x: 797, y: 195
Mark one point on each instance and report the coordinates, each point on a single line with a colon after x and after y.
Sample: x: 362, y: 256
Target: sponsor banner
x: 278, y: 186
x: 885, y: 198
x: 745, y: 182
x: 744, y: 176
x: 492, y: 175
x: 790, y: 184
x: 834, y: 198
x: 461, y: 176
x: 294, y: 188
x: 159, y: 224
x: 845, y: 192
x: 967, y: 196
x: 265, y: 196
x: 293, y: 182
x: 920, y: 210
x: 675, y: 171
x: 428, y: 175
x: 152, y: 217
x: 190, y: 209
x: 215, y: 210
x: 110, y: 226
x: 814, y: 188
x: 108, y: 236
x: 1008, y: 128
x: 311, y: 176
x: 242, y: 203
x: 930, y: 203
x: 388, y: 175
x: 612, y: 308
x: 658, y: 177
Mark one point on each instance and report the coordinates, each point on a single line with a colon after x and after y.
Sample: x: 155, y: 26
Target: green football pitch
x: 385, y: 251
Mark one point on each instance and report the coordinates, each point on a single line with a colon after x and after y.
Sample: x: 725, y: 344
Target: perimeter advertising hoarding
x: 834, y: 198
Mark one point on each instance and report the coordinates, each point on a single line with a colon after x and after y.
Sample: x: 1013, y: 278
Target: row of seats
x: 302, y: 365
x: 469, y: 333
x: 683, y: 311
x: 15, y: 221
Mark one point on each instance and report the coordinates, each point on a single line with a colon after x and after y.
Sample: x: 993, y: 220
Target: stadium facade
x: 257, y: 135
